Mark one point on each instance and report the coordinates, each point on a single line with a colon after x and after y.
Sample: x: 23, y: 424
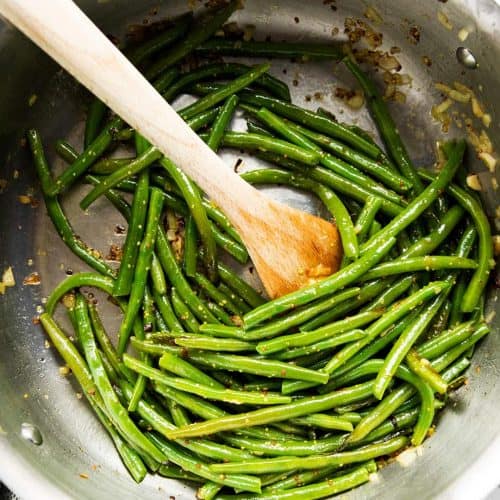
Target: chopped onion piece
x: 473, y: 182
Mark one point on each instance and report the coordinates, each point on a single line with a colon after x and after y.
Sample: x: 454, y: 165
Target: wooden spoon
x: 287, y: 246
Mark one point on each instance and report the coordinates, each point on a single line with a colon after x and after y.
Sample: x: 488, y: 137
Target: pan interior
x: 35, y: 93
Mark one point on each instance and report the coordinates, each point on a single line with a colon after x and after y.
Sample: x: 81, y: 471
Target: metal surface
x: 459, y: 461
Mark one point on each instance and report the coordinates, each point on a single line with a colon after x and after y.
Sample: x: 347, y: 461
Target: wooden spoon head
x: 291, y: 248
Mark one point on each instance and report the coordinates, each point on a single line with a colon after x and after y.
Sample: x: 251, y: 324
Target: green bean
x: 278, y: 413
x: 332, y: 180
x: 332, y: 486
x: 259, y: 466
x: 240, y: 286
x: 437, y: 346
x: 210, y: 100
x: 208, y: 491
x: 204, y: 119
x: 152, y: 347
x: 257, y: 366
x: 244, y: 140
x: 165, y: 308
x: 369, y: 291
x: 57, y: 215
x: 256, y: 128
x: 392, y: 293
x: 177, y: 279
x: 329, y: 343
x: 140, y: 163
x: 377, y: 168
x: 213, y: 343
x: 480, y: 277
x: 395, y: 312
x: 79, y: 369
x: 116, y: 411
x: 422, y: 368
x: 439, y: 364
x: 386, y: 126
x: 190, y: 247
x: 221, y: 123
x: 226, y: 331
x: 306, y: 338
x: 324, y: 421
x: 217, y: 70
x: 113, y: 196
x: 374, y: 418
x: 197, y: 34
x: 104, y: 283
x: 142, y: 267
x: 106, y: 345
x: 386, y: 338
x: 157, y: 276
x: 86, y: 159
x: 395, y: 423
x: 311, y: 120
x: 179, y: 27
x: 421, y: 202
x: 183, y: 313
x: 367, y: 216
x: 411, y: 264
x: 305, y: 51
x: 242, y: 306
x: 193, y: 464
x: 338, y: 166
x: 95, y: 116
x: 328, y: 197
x: 227, y: 395
x: 221, y: 299
x: 429, y: 243
x: 384, y: 409
x: 148, y: 311
x: 175, y: 472
x: 298, y: 317
x: 403, y: 345
x: 179, y: 366
x: 41, y: 165
x: 193, y: 200
x: 72, y: 358
x: 232, y: 247
x: 317, y: 290
x: 220, y: 313
x: 65, y: 150
x: 286, y: 448
x: 135, y: 231
x: 456, y: 369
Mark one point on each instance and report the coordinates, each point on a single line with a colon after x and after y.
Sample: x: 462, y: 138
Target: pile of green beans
x: 208, y: 381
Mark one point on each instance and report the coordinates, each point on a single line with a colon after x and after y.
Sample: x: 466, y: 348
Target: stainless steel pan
x: 459, y: 461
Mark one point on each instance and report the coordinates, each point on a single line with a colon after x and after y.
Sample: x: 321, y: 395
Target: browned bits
x: 120, y: 229
x: 28, y: 199
x: 414, y: 34
x: 115, y: 253
x: 32, y: 279
x: 237, y: 164
x: 296, y: 19
x: 427, y: 61
x: 357, y: 30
